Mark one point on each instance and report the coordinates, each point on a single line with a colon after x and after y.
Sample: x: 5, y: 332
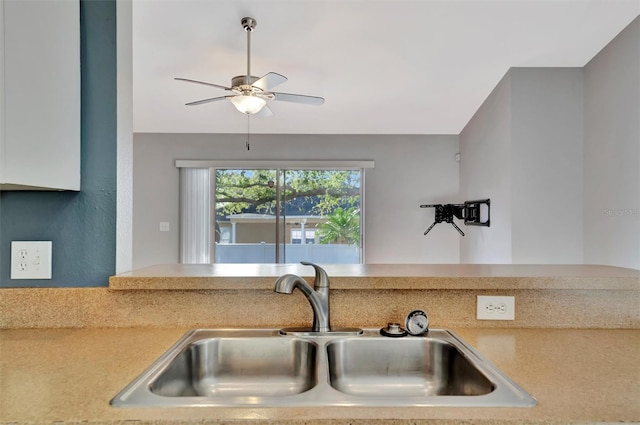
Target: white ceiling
x: 383, y: 66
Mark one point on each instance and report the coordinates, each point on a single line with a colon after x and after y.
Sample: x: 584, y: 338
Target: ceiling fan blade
x: 203, y: 83
x: 268, y: 81
x: 264, y: 112
x: 298, y: 98
x: 213, y: 99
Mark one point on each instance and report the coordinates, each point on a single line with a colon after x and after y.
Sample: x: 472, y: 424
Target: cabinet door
x: 41, y: 144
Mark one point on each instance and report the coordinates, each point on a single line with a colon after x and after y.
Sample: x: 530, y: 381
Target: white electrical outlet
x: 31, y: 260
x: 496, y: 308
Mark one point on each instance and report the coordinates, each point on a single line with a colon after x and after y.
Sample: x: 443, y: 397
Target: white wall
x: 523, y: 149
x: 612, y: 152
x: 124, y: 209
x: 485, y: 172
x: 409, y: 171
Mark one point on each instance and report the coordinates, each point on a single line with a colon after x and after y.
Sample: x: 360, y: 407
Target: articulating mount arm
x: 470, y: 212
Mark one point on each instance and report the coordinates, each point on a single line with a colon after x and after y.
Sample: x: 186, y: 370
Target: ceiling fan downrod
x: 249, y: 25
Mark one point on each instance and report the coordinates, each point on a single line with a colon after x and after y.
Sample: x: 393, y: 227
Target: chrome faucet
x: 318, y: 296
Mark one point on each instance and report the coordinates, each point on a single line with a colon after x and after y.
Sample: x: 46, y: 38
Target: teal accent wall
x: 81, y: 225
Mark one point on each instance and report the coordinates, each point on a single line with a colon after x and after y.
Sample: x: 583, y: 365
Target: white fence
x: 289, y: 253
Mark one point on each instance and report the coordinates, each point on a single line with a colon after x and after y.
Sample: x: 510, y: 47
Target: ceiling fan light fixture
x: 248, y: 104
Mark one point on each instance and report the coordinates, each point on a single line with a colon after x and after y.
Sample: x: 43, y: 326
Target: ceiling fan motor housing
x: 241, y: 85
x: 241, y: 80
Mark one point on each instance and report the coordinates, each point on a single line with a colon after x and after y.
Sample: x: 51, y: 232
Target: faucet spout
x: 318, y: 296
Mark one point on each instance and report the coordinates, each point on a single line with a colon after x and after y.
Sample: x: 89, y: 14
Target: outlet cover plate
x: 496, y: 307
x: 31, y: 259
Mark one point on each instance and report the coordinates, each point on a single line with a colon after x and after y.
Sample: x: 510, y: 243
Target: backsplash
x: 245, y: 308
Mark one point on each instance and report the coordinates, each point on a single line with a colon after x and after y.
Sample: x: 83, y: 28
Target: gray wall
x: 556, y: 150
x: 81, y: 225
x: 485, y: 172
x: 409, y: 171
x: 523, y: 149
x: 612, y: 152
x: 546, y: 165
x: 572, y: 190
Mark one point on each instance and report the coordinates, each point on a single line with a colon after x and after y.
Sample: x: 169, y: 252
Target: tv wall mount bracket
x: 470, y: 212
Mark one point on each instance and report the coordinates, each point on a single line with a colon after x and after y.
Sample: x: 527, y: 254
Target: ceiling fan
x: 251, y: 93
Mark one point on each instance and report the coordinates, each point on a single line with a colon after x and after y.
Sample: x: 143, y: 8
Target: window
x: 296, y: 236
x: 275, y: 214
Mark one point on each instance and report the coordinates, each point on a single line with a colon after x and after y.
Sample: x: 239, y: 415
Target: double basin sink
x: 260, y: 367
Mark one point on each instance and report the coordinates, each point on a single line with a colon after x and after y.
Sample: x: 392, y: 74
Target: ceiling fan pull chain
x: 248, y: 132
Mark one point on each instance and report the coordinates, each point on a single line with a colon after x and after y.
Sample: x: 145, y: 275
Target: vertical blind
x: 195, y: 216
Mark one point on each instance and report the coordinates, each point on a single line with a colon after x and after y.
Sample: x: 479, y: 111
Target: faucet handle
x: 321, y: 277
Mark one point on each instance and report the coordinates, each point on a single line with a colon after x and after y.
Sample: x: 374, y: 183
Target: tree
x: 343, y: 227
x: 311, y: 191
x: 240, y: 190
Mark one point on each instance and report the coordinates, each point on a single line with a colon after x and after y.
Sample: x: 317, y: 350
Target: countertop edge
x: 381, y: 276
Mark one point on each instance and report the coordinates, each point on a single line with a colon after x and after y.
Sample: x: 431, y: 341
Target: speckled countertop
x: 69, y: 376
x: 383, y: 276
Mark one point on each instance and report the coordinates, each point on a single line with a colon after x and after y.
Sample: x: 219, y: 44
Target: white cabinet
x: 40, y: 96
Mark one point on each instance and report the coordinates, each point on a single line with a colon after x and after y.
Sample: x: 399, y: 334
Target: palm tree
x: 342, y: 227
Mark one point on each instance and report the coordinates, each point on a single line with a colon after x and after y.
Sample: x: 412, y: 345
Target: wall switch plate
x: 164, y: 226
x: 30, y: 260
x: 496, y: 308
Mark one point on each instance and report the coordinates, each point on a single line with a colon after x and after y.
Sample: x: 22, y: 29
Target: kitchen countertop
x: 383, y: 276
x: 69, y: 375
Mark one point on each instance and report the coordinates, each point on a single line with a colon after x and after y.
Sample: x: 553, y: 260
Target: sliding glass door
x: 287, y: 215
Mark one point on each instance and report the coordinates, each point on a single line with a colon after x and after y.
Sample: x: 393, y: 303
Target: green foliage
x: 331, y: 189
x: 343, y: 227
x: 239, y: 190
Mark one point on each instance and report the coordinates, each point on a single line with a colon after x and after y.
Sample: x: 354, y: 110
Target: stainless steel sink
x: 416, y: 367
x: 260, y: 367
x: 239, y: 367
